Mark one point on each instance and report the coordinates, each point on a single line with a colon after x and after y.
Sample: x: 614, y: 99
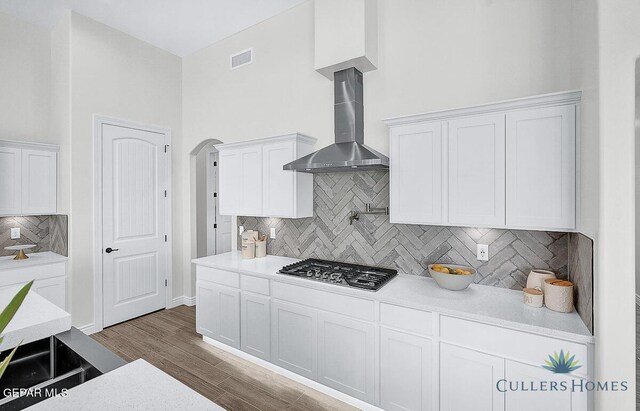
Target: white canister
x: 558, y: 295
x: 261, y: 249
x: 248, y: 249
x: 536, y: 278
x: 532, y: 297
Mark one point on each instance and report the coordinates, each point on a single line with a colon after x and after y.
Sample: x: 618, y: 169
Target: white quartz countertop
x: 135, y: 386
x: 499, y: 306
x: 47, y: 257
x: 36, y: 318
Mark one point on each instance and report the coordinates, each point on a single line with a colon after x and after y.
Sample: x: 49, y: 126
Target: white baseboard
x: 183, y: 300
x: 89, y: 328
x: 637, y: 299
x: 293, y: 376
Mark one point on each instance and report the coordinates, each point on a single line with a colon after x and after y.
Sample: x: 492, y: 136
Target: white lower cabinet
x: 294, y: 338
x: 218, y: 313
x: 346, y: 355
x: 406, y: 369
x: 255, y: 316
x: 532, y: 388
x: 53, y: 289
x: 468, y: 380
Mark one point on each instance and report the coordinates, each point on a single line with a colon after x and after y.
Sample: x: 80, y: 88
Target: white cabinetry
x: 294, y: 338
x: 218, y: 313
x: 406, y: 368
x: 503, y: 165
x: 468, y: 380
x: 28, y: 173
x: 541, y: 168
x: 416, y: 174
x: 529, y: 400
x: 253, y: 183
x: 477, y: 170
x: 255, y: 316
x: 346, y: 355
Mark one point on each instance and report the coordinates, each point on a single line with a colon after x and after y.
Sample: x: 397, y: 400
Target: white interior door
x: 135, y: 222
x: 218, y: 226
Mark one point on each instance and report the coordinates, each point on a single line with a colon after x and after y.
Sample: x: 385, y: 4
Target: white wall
x: 619, y: 46
x: 112, y: 74
x: 24, y: 81
x: 637, y: 176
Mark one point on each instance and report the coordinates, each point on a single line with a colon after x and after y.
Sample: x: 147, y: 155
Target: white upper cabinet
x: 253, y: 183
x: 502, y: 165
x: 541, y: 168
x: 416, y: 174
x: 477, y: 170
x: 28, y: 178
x: 10, y: 180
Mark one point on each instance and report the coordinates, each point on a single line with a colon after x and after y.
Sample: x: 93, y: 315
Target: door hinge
x: 165, y: 193
x: 215, y: 226
x: 166, y: 147
x: 215, y: 194
x: 166, y: 283
x: 215, y: 163
x: 165, y: 238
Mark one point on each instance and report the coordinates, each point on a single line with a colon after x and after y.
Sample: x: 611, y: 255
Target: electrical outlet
x: 273, y: 233
x: 15, y: 233
x: 482, y: 252
x: 240, y: 230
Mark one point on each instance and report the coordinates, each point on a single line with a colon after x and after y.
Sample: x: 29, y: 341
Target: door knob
x: 110, y: 250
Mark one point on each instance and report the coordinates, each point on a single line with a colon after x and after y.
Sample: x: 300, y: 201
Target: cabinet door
x: 251, y: 181
x: 557, y: 400
x: 278, y: 193
x: 218, y: 313
x: 415, y: 156
x: 468, y: 380
x: 255, y: 317
x: 53, y: 289
x: 346, y: 355
x: 294, y: 338
x: 477, y: 171
x: 38, y: 182
x: 541, y: 168
x: 10, y: 180
x: 229, y: 180
x: 406, y: 367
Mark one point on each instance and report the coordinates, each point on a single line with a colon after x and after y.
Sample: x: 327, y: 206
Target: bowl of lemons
x: 452, y: 277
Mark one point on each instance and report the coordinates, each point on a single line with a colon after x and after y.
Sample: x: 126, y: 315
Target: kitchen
x: 497, y: 173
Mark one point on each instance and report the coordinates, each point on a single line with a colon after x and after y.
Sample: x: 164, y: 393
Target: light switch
x: 15, y: 233
x: 273, y: 233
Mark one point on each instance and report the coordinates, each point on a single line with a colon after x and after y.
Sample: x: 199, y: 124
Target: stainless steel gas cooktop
x: 345, y: 274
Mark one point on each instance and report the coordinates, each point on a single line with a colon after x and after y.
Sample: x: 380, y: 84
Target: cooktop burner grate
x: 345, y: 274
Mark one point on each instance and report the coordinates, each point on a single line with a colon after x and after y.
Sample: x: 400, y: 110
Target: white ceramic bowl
x: 454, y: 282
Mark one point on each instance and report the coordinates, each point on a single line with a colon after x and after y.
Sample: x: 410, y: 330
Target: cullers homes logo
x: 563, y: 363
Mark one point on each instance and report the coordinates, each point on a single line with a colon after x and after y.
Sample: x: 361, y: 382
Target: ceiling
x: 177, y: 26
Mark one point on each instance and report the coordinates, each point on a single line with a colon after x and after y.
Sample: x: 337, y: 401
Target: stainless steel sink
x: 49, y: 367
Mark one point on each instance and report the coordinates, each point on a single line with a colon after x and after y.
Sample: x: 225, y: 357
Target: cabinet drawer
x: 35, y: 272
x: 228, y: 278
x: 337, y: 303
x: 507, y: 343
x: 255, y: 284
x: 420, y: 322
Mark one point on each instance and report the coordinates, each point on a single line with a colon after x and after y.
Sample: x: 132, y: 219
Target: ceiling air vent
x: 241, y: 59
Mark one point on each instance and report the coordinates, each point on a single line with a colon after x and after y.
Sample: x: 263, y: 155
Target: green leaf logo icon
x: 561, y: 364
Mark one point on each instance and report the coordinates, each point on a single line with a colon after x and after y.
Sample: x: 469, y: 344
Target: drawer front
x: 255, y: 284
x: 36, y: 272
x: 228, y: 278
x: 521, y: 346
x: 417, y: 321
x: 337, y: 303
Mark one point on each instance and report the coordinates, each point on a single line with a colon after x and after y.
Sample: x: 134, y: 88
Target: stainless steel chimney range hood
x: 348, y: 153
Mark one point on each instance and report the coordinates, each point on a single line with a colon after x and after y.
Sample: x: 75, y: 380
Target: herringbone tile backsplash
x: 409, y: 248
x: 47, y: 232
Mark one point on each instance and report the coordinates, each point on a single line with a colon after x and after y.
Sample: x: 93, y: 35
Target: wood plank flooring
x: 168, y: 340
